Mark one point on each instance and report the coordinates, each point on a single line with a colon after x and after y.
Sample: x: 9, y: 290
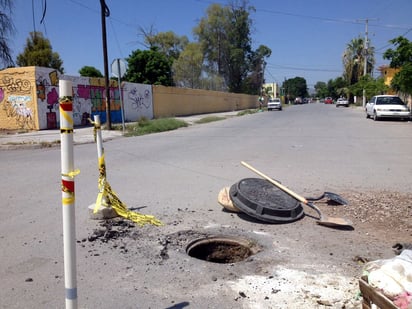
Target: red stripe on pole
x: 67, y: 185
x: 68, y: 107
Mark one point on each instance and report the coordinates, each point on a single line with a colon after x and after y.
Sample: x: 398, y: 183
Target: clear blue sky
x: 307, y: 37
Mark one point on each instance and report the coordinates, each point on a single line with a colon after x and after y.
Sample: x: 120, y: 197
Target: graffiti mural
x: 16, y: 85
x: 31, y: 97
x: 16, y: 107
x: 81, y: 99
x: 47, y: 82
x: 137, y: 101
x: 98, y: 99
x: 16, y: 100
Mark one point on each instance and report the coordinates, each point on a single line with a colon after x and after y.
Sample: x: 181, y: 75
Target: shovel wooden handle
x: 277, y: 184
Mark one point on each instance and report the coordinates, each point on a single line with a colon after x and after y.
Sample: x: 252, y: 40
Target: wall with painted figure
x: 137, y: 100
x: 29, y: 99
x: 18, y: 108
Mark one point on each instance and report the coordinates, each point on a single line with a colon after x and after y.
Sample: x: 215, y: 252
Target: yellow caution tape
x: 72, y: 174
x: 119, y: 207
x: 68, y: 200
x: 110, y: 198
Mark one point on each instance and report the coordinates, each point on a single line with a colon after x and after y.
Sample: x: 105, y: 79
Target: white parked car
x: 387, y: 106
x: 342, y: 102
x: 274, y: 103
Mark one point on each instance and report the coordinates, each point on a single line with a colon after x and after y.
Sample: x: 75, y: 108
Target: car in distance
x: 342, y: 102
x: 298, y: 100
x: 328, y: 100
x: 387, y: 106
x: 274, y: 103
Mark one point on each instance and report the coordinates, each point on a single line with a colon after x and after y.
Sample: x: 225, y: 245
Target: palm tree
x: 6, y: 29
x: 354, y: 60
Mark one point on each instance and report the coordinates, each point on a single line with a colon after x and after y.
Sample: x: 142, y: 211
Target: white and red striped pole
x: 68, y: 196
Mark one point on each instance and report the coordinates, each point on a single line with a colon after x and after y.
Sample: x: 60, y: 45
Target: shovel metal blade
x: 329, y: 221
x: 331, y: 196
x: 336, y: 198
x: 334, y: 222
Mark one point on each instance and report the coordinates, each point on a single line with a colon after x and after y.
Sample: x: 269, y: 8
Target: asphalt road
x: 176, y: 177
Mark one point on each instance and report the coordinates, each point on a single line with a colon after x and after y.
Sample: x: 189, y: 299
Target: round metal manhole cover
x: 262, y: 200
x: 221, y: 249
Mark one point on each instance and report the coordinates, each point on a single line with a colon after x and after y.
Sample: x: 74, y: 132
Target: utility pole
x: 365, y: 56
x: 105, y: 13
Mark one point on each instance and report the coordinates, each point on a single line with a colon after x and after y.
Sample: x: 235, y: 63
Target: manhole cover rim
x: 263, y: 212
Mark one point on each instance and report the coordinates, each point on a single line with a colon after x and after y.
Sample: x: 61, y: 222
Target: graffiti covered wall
x: 29, y: 99
x: 137, y: 100
x: 18, y: 108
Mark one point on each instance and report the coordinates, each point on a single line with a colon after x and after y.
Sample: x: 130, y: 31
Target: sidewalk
x: 50, y: 138
x: 83, y: 135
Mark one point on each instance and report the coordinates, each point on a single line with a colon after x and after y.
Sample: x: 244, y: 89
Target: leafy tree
x: 402, y: 81
x: 340, y: 87
x: 401, y: 57
x: 166, y: 42
x: 6, y: 29
x: 187, y: 69
x: 211, y: 34
x: 321, y: 90
x: 354, y: 60
x: 224, y: 35
x: 255, y: 78
x: 149, y: 67
x: 372, y: 86
x: 295, y: 87
x: 89, y: 71
x: 38, y: 52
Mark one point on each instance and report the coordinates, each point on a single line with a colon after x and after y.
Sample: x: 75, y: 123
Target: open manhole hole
x: 222, y: 249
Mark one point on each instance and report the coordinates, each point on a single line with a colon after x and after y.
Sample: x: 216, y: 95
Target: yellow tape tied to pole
x: 108, y: 198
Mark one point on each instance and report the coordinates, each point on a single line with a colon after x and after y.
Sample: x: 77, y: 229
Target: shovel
x: 323, y: 220
x: 331, y: 196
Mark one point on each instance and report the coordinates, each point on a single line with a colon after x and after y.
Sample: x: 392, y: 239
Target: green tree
x: 401, y: 58
x: 166, y: 42
x: 402, y: 81
x: 321, y: 90
x: 187, y: 69
x: 149, y: 67
x: 225, y: 37
x: 340, y: 87
x: 211, y: 34
x: 89, y: 71
x: 372, y: 86
x: 354, y: 58
x: 38, y: 52
x: 255, y: 78
x: 295, y: 87
x: 6, y: 30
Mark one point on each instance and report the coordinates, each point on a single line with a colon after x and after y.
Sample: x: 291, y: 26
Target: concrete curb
x: 84, y: 135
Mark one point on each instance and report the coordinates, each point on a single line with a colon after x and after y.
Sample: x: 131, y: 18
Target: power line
x: 387, y: 45
x: 278, y: 66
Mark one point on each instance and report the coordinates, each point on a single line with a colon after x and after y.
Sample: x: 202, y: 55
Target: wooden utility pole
x: 106, y: 13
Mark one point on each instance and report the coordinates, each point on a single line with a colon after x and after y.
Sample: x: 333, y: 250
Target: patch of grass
x: 210, y: 119
x: 145, y: 126
x: 247, y: 112
x: 49, y: 144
